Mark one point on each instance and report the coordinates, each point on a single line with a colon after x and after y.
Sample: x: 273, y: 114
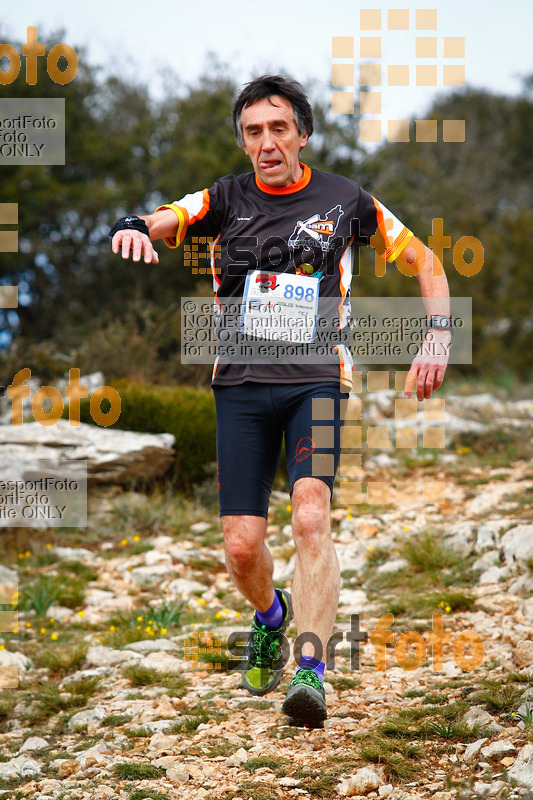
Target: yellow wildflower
x: 54, y: 636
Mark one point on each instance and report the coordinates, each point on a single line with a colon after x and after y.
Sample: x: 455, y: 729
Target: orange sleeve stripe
x: 341, y: 287
x: 204, y: 209
x: 213, y: 260
x: 183, y: 223
x: 394, y: 248
x: 381, y: 224
x: 401, y: 242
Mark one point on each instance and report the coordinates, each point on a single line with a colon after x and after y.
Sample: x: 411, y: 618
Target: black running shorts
x: 251, y: 420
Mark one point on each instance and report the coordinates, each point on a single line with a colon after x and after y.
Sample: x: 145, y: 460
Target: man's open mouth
x: 269, y: 166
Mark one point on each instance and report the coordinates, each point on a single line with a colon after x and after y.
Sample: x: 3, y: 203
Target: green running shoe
x: 305, y: 703
x: 263, y: 655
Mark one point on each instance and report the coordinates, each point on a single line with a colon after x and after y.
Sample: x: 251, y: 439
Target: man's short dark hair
x: 263, y: 88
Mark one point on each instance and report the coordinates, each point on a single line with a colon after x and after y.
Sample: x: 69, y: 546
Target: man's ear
x: 304, y: 140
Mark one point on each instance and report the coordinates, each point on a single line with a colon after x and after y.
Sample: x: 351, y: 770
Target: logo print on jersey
x: 316, y: 231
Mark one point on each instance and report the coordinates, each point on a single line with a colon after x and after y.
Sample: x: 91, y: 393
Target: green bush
x: 187, y: 413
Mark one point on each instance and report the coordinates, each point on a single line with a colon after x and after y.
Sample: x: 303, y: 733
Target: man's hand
x: 429, y: 365
x: 138, y: 243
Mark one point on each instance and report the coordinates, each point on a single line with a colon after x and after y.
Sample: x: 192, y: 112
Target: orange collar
x: 291, y: 188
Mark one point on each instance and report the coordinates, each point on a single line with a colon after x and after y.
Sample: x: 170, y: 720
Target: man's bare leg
x: 250, y: 566
x: 316, y: 581
x: 248, y: 559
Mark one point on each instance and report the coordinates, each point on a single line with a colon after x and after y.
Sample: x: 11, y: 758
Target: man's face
x: 272, y: 141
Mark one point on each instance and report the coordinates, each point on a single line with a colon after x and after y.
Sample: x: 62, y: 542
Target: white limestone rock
x: 365, y: 780
x: 87, y: 717
x: 517, y: 544
x: 20, y: 767
x: 98, y: 656
x: 34, y: 744
x: 522, y: 769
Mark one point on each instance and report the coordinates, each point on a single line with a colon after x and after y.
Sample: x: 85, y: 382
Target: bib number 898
x: 299, y: 293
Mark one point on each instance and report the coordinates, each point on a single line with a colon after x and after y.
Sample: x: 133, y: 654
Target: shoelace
x: 265, y: 647
x: 307, y: 677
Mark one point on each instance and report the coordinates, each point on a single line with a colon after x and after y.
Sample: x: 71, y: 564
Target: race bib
x: 280, y: 307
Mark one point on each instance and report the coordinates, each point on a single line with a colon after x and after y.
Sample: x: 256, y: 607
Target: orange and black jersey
x: 307, y: 228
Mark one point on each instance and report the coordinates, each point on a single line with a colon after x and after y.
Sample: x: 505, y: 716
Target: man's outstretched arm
x: 429, y: 365
x: 161, y: 224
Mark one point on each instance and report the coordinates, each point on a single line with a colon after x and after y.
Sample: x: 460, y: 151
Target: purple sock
x: 306, y: 662
x: 273, y: 616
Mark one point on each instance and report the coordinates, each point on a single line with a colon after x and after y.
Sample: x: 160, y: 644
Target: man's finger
x: 149, y: 253
x: 138, y: 244
x: 115, y: 244
x: 429, y: 382
x: 126, y: 242
x: 410, y: 382
x: 439, y: 377
x: 421, y: 382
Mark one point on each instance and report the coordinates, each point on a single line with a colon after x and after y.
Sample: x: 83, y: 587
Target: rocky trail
x: 111, y: 703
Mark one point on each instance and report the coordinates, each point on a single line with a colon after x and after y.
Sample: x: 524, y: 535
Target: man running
x: 284, y: 233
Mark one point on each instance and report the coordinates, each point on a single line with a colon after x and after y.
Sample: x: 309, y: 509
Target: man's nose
x: 267, y: 142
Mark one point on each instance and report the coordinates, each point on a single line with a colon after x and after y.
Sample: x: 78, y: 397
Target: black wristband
x: 129, y: 223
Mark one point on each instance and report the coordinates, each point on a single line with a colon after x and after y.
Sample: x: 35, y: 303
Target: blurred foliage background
x: 126, y: 152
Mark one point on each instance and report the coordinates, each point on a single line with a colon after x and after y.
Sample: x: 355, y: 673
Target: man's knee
x: 243, y: 540
x: 310, y: 518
